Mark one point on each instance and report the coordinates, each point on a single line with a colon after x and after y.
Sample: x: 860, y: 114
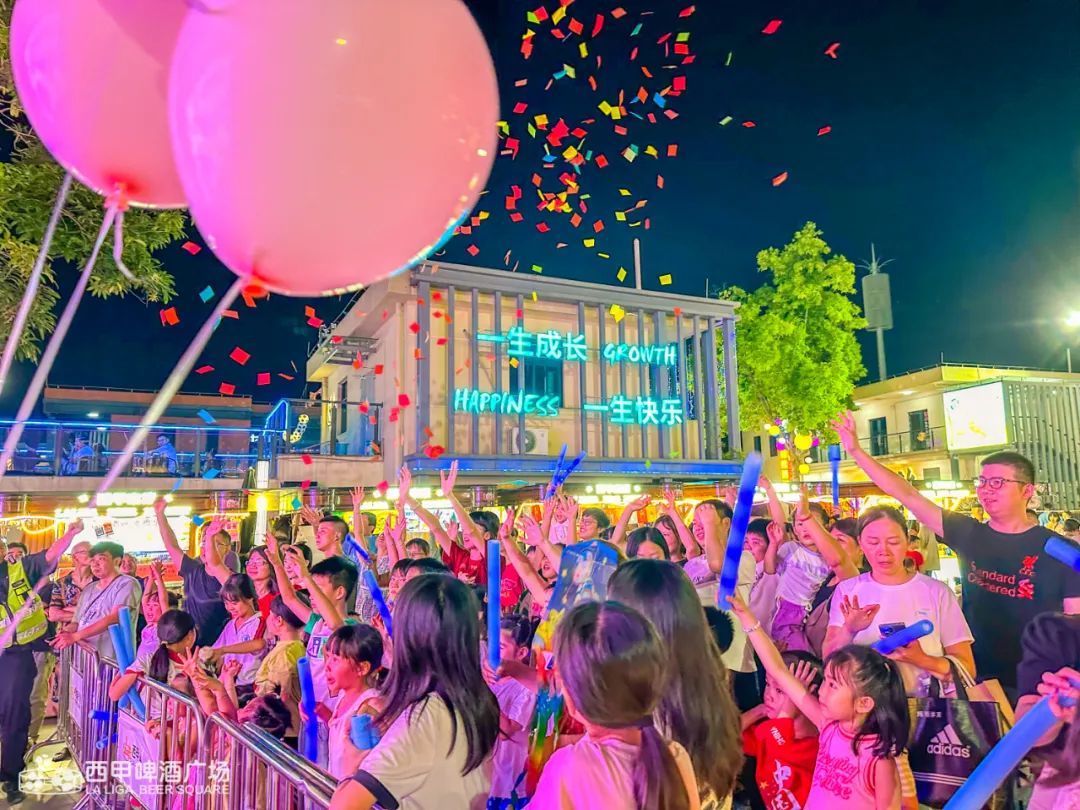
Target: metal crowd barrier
x: 177, y: 759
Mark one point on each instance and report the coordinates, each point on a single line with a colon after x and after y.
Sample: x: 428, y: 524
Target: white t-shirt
x: 148, y: 642
x: 801, y: 571
x: 96, y: 603
x: 340, y: 727
x: 763, y: 596
x: 413, y: 767
x: 597, y: 774
x: 236, y: 632
x: 516, y: 702
x: 919, y: 598
x: 740, y: 655
x: 704, y: 579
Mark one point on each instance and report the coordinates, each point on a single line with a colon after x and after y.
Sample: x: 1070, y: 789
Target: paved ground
x: 46, y: 802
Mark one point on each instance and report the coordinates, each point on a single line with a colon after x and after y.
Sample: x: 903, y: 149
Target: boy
x: 278, y: 674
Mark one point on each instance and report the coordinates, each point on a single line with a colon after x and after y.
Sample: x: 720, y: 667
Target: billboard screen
x: 975, y: 417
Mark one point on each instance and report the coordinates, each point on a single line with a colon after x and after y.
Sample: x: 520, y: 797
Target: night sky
x: 955, y: 148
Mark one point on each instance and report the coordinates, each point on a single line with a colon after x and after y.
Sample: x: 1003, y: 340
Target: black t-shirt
x: 1007, y: 581
x: 202, y: 599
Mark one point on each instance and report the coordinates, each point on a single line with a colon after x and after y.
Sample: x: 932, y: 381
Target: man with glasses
x: 1007, y: 578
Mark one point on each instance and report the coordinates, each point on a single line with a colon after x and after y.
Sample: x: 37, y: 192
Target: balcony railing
x: 891, y: 444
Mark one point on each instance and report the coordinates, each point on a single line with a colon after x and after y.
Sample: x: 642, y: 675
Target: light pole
x: 1072, y: 321
x: 877, y: 305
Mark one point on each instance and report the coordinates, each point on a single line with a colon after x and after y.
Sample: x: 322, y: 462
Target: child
x: 612, y: 666
x: 278, y: 674
x: 516, y: 704
x: 398, y: 572
x: 242, y: 638
x: 176, y: 635
x: 861, y: 713
x: 353, y: 672
x: 156, y: 600
x: 763, y: 591
x: 782, y: 739
x: 440, y: 722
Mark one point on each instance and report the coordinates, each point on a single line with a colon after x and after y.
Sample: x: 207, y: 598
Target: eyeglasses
x: 996, y: 483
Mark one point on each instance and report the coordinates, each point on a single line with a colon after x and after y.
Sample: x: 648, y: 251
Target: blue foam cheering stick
x: 380, y: 600
x: 105, y: 742
x: 1064, y: 551
x: 834, y: 463
x: 362, y: 733
x: 494, y: 592
x: 1005, y: 756
x: 350, y: 542
x: 555, y: 474
x: 307, y: 700
x: 729, y: 574
x: 902, y: 638
x: 132, y: 697
x: 573, y: 465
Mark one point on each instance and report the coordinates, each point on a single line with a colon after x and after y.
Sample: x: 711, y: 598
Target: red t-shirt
x: 785, y: 765
x: 474, y: 572
x: 264, y: 605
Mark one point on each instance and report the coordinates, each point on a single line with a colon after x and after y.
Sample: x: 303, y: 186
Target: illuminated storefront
x: 500, y: 370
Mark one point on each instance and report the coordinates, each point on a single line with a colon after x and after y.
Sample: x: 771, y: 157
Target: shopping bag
x: 949, y: 737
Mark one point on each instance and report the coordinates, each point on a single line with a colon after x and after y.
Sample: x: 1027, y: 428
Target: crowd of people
x: 775, y: 699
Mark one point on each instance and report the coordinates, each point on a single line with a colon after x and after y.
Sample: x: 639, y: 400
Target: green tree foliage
x: 29, y: 183
x: 797, y: 352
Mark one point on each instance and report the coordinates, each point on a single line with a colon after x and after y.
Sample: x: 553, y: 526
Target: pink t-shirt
x: 843, y: 779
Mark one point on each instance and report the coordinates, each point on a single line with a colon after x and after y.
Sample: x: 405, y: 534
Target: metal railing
x: 889, y: 444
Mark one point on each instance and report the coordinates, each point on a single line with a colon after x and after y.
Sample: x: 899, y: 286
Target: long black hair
x: 697, y: 709
x: 612, y: 666
x: 437, y: 652
x: 870, y: 674
x: 173, y: 627
x: 646, y: 534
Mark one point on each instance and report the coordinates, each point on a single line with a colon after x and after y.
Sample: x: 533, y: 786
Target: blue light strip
x: 593, y: 406
x: 542, y: 465
x: 485, y: 337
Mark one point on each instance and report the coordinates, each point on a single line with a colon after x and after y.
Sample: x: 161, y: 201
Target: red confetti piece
x: 393, y: 415
x: 231, y: 313
x: 238, y: 355
x: 364, y: 407
x: 520, y: 107
x: 414, y: 327
x: 305, y: 484
x: 381, y: 488
x: 434, y: 450
x: 598, y: 25
x: 403, y: 400
x: 379, y: 368
x: 824, y: 131
x: 191, y: 248
x: 780, y: 179
x: 169, y: 316
x: 831, y: 50
x: 472, y: 250
x: 440, y: 342
x: 309, y: 312
x: 772, y: 27
x: 749, y: 124
x: 677, y: 312
x: 306, y: 458
x: 686, y: 12
x: 315, y: 322
x: 263, y: 378
x: 204, y: 369
x: 228, y: 389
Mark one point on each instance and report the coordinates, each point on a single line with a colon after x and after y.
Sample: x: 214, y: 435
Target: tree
x: 29, y: 182
x: 797, y: 352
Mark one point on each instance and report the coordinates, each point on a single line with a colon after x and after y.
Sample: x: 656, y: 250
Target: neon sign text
x: 572, y: 347
x: 469, y: 400
x: 620, y: 410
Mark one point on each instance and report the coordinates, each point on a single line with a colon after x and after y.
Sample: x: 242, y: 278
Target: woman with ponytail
x: 176, y: 636
x: 612, y: 667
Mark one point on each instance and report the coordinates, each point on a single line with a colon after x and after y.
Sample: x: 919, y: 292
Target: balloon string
x: 171, y: 386
x: 118, y: 202
x: 48, y: 357
x: 23, y: 314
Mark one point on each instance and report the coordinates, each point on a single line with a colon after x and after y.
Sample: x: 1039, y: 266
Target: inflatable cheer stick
x: 379, y: 599
x: 307, y: 700
x: 1064, y: 551
x: 362, y: 733
x: 902, y: 638
x: 132, y: 697
x: 350, y: 542
x: 1005, y: 756
x: 494, y: 592
x: 729, y: 574
x: 834, y: 464
x: 555, y: 475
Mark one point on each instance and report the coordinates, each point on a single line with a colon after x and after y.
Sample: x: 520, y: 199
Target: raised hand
x: 358, y: 493
x: 453, y: 530
x: 405, y: 483
x: 857, y: 617
x: 298, y: 560
x: 775, y: 533
x: 231, y: 669
x: 156, y: 571
x: 741, y: 610
x: 310, y: 516
x: 670, y: 509
x: 448, y: 479
x: 159, y: 506
x: 639, y: 503
x: 532, y: 532
x: 844, y: 425
x: 507, y: 525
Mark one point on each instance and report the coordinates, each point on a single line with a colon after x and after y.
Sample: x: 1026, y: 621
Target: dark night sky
x: 955, y: 147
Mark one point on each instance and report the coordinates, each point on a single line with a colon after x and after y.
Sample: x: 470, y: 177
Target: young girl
x: 670, y: 531
x: 538, y: 587
x: 516, y: 704
x: 176, y: 637
x: 862, y: 715
x: 262, y: 576
x: 156, y: 600
x: 441, y: 721
x: 242, y: 638
x: 647, y: 543
x: 696, y: 708
x: 612, y: 666
x: 353, y: 672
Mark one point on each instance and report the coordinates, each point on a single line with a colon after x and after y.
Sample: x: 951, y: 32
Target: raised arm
x: 775, y: 531
x: 285, y: 587
x: 428, y: 519
x: 446, y: 482
x: 60, y: 547
x: 320, y: 602
x: 157, y: 581
x: 536, y: 536
x: 925, y: 510
x: 831, y: 551
x: 690, y: 543
x: 168, y: 537
x: 215, y: 566
x: 774, y: 664
x: 777, y: 513
x: 536, y: 585
x: 715, y: 539
x: 359, y: 527
x: 618, y: 535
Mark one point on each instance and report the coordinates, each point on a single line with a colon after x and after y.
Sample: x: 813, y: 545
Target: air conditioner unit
x: 536, y: 441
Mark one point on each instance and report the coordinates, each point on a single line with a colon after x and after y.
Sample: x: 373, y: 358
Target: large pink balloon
x: 326, y: 144
x: 93, y: 78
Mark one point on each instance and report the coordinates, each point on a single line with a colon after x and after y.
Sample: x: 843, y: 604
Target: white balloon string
x: 170, y: 387
x: 118, y: 202
x: 23, y: 314
x: 48, y: 357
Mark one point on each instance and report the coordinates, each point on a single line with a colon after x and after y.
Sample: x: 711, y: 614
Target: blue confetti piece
x: 296, y: 503
x: 209, y: 474
x: 207, y: 294
x: 176, y: 486
x: 207, y: 417
x: 661, y: 102
x: 198, y: 521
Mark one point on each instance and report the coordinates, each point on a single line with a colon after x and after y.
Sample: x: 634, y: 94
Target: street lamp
x: 1072, y: 321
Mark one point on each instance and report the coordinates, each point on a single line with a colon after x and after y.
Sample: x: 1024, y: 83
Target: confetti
x: 780, y: 179
x: 207, y: 417
x: 207, y: 293
x: 263, y: 378
x: 665, y: 280
x: 306, y: 458
x: 381, y: 488
x: 169, y: 316
x: 403, y: 400
x: 204, y: 369
x: 211, y: 473
x: 231, y: 313
x: 824, y: 131
x: 315, y: 322
x: 617, y: 312
x: 831, y: 50
x: 198, y: 520
x: 772, y: 27
x: 228, y: 389
x: 238, y: 355
x: 191, y: 248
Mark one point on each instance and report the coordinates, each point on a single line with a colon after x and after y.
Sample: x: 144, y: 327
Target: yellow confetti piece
x: 621, y: 275
x: 604, y: 255
x: 541, y: 120
x: 583, y: 49
x: 727, y: 119
x: 537, y: 269
x: 483, y: 215
x: 617, y: 312
x: 570, y: 71
x: 604, y: 107
x: 514, y: 362
x: 558, y: 14
x: 570, y: 153
x: 504, y: 127
x: 665, y: 280
x: 535, y: 297
x: 651, y: 150
x: 624, y: 192
x: 683, y: 36
x: 621, y: 216
x: 648, y: 463
x: 531, y: 17
x: 589, y: 242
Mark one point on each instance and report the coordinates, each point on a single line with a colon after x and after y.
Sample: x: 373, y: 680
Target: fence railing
x: 175, y: 756
x: 889, y: 444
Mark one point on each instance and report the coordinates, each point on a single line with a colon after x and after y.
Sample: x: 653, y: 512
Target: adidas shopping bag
x: 949, y: 738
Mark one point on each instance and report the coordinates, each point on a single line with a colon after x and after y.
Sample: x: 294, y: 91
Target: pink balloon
x: 324, y: 145
x: 92, y: 76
